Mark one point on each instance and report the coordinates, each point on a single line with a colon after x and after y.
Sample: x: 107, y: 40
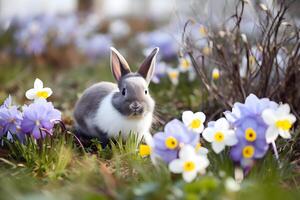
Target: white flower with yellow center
x: 189, y: 163
x: 194, y: 121
x: 38, y: 91
x: 220, y: 135
x: 185, y: 64
x: 173, y: 75
x: 215, y: 74
x: 200, y: 150
x: 280, y: 121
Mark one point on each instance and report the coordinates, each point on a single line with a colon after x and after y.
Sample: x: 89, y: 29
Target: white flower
x: 189, y: 163
x: 279, y: 121
x: 231, y: 185
x: 215, y: 74
x: 185, y: 64
x: 194, y: 121
x: 173, y: 75
x: 220, y: 135
x: 38, y: 91
x: 200, y: 150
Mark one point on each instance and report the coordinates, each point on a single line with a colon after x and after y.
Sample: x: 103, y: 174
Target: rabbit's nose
x: 136, y: 107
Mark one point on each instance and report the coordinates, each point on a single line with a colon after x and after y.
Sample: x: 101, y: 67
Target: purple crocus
x: 159, y: 72
x: 167, y: 144
x: 10, y: 118
x: 250, y: 128
x: 39, y: 115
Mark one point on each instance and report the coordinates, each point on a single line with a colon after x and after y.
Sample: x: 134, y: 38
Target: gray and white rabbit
x: 106, y: 109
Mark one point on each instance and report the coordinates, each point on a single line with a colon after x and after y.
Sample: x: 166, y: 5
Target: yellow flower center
x: 215, y: 75
x: 250, y: 135
x: 248, y: 151
x: 196, y: 123
x: 198, y: 146
x: 283, y: 124
x: 207, y: 51
x: 42, y: 94
x: 219, y: 136
x: 144, y: 150
x: 171, y: 142
x: 173, y: 75
x: 185, y: 63
x: 252, y: 60
x: 189, y: 166
x: 203, y: 31
x: 37, y: 123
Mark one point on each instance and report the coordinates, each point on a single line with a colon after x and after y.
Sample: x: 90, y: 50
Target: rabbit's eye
x: 146, y: 91
x: 123, y: 91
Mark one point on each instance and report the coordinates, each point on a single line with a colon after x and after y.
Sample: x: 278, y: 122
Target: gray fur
x: 89, y: 102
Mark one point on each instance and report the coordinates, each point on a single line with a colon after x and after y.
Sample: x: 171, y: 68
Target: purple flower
x: 159, y: 72
x: 250, y: 128
x: 7, y: 102
x: 168, y: 47
x: 40, y: 114
x: 10, y: 118
x: 253, y: 107
x: 96, y: 46
x: 167, y: 144
x: 65, y: 29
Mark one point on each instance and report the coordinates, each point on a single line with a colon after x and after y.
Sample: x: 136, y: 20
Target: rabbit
x: 106, y: 109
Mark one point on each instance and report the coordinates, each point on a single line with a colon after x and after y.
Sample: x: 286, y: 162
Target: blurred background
x: 66, y: 42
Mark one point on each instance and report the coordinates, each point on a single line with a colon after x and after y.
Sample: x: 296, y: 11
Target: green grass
x: 60, y: 169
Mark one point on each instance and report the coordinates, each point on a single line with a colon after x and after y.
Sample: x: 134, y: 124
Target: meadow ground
x: 59, y: 168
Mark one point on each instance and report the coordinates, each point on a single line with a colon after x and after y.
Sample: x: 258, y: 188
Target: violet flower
x: 167, y: 144
x: 167, y: 47
x: 96, y: 46
x: 39, y: 115
x: 159, y: 72
x: 250, y: 128
x: 10, y: 119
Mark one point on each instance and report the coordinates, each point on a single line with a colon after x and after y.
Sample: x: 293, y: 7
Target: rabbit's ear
x: 119, y: 65
x: 148, y: 66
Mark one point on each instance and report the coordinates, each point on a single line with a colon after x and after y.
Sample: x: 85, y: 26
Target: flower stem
x: 275, y: 151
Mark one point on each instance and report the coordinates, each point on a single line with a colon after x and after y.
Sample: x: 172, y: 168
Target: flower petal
x: 222, y: 124
x: 187, y: 117
x: 218, y: 147
x: 38, y: 84
x: 30, y: 94
x: 201, y: 116
x: 189, y: 176
x: 268, y: 116
x: 176, y: 166
x: 271, y: 134
x: 291, y: 118
x: 208, y: 134
x: 186, y: 152
x: 284, y: 109
x: 230, y: 138
x: 284, y: 134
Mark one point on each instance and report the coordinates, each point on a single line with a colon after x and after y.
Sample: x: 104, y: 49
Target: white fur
x: 110, y: 121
